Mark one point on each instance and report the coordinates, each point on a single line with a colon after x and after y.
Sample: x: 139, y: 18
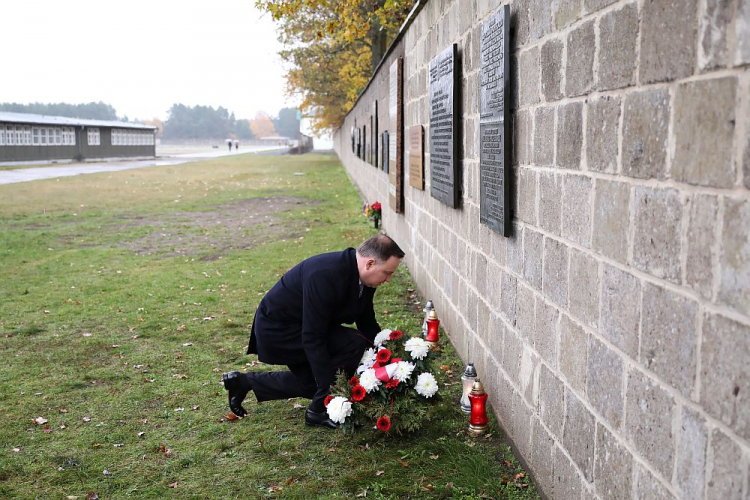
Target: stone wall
x: 612, y: 329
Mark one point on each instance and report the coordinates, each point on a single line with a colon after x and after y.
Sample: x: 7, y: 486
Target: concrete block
x: 539, y: 19
x: 613, y: 467
x: 725, y: 372
x: 715, y: 20
x: 704, y: 116
x: 528, y: 378
x: 545, y: 331
x: 658, y: 229
x: 699, y: 269
x: 555, y: 274
x: 529, y: 90
x: 611, y: 219
x: 551, y: 401
x: 668, y: 40
x: 526, y: 196
x: 620, y: 311
x: 514, y: 251
x: 669, y: 338
x: 519, y: 23
x: 618, y: 31
x: 544, y: 136
x: 746, y: 154
x: 522, y: 426
x: 691, y: 454
x: 550, y: 202
x: 647, y: 486
x: 512, y: 355
x: 648, y: 423
x: 508, y: 297
x: 542, y: 461
x: 578, y: 434
x: 573, y: 353
x: 525, y: 312
x: 583, y: 290
x: 521, y: 137
x: 567, y: 480
x: 604, y: 387
x: 724, y: 472
x: 565, y: 12
x: 551, y: 60
x: 602, y: 129
x: 742, y: 33
x: 569, y: 135
x: 576, y: 225
x: 734, y: 287
x: 532, y: 258
x: 481, y: 274
x: 645, y: 131
x: 579, y: 72
x: 594, y: 5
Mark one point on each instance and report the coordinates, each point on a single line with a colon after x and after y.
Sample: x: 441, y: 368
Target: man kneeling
x: 299, y: 324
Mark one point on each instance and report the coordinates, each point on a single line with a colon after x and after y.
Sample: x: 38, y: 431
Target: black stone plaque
x: 374, y: 128
x: 396, y: 146
x: 443, y: 127
x: 494, y: 153
x: 359, y: 143
x: 364, y: 143
x: 385, y: 155
x: 354, y: 147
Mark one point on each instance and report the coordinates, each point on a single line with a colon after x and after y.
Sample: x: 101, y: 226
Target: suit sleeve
x: 366, y: 322
x: 319, y: 300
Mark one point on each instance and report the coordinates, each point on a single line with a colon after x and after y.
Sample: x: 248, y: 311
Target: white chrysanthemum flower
x: 418, y: 348
x: 426, y: 385
x: 382, y: 337
x: 368, y: 360
x: 338, y: 409
x: 403, y: 371
x: 369, y: 381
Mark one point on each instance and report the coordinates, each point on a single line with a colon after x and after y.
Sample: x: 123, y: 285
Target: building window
x: 35, y: 136
x: 27, y: 135
x: 2, y: 135
x: 93, y: 137
x: 10, y: 135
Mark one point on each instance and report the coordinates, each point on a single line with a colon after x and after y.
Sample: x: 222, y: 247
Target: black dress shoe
x: 313, y: 419
x: 237, y: 386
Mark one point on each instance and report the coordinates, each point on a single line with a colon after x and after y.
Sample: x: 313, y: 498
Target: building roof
x: 6, y: 116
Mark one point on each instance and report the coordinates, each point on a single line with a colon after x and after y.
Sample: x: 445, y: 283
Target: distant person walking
x: 236, y: 144
x: 229, y: 143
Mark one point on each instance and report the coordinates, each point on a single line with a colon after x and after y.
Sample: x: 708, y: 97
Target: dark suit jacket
x: 295, y: 318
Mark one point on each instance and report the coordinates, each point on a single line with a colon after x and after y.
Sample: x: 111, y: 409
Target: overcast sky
x: 142, y: 56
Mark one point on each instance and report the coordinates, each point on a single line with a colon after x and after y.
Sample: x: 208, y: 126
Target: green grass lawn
x: 127, y: 294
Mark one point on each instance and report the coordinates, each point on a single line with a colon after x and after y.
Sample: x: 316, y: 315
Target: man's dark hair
x: 381, y: 247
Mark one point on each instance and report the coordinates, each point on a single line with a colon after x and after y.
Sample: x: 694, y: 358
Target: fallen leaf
x: 92, y: 495
x: 362, y: 494
x: 404, y: 464
x: 380, y: 473
x: 63, y: 426
x: 274, y: 489
x: 332, y: 449
x: 507, y: 463
x: 87, y: 334
x: 181, y: 328
x: 219, y: 420
x: 47, y: 429
x: 16, y: 450
x: 106, y: 473
x: 63, y: 410
x: 179, y: 409
x: 187, y: 344
x: 141, y: 434
x: 471, y: 444
x: 86, y: 419
x: 434, y: 457
x: 297, y: 405
x: 39, y: 420
x: 179, y: 375
x: 196, y: 407
x: 173, y: 485
x: 144, y: 421
x: 232, y: 416
x: 427, y: 487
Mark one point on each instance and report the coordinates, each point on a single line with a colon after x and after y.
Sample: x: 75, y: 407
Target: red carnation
x: 392, y: 383
x: 396, y: 334
x: 327, y: 400
x: 353, y: 381
x: 384, y: 423
x: 383, y: 356
x: 358, y: 393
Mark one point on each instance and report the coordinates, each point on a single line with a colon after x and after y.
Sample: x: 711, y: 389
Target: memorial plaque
x: 364, y: 142
x: 396, y: 136
x: 443, y: 121
x: 359, y: 144
x: 354, y: 146
x: 374, y: 128
x: 385, y: 156
x: 416, y: 157
x: 494, y: 153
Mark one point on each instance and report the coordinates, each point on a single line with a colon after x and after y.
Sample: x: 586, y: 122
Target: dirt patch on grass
x: 239, y: 225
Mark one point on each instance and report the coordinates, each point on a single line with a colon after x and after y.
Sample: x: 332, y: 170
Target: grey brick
x: 746, y: 155
x: 539, y: 19
x: 648, y: 487
x: 618, y: 31
x: 742, y: 33
x: 545, y: 331
x: 699, y: 269
x: 525, y: 312
x: 613, y: 466
x: 579, y: 72
x: 576, y: 225
x: 555, y: 274
x: 508, y: 298
x: 658, y: 227
x: 521, y: 426
x: 532, y: 258
x: 544, y: 136
x: 528, y: 374
x: 526, y: 197
x: 528, y: 91
x: 611, y: 219
x: 724, y: 472
x: 565, y: 12
x: 714, y: 26
x: 644, y: 134
x: 519, y: 24
x: 604, y: 382
x: 567, y: 480
x: 551, y: 401
x: 619, y: 314
x: 569, y: 135
x: 573, y: 353
x: 542, y: 449
x: 725, y: 372
x: 669, y: 338
x: 512, y: 355
x: 514, y: 251
x: 602, y: 128
x: 648, y: 423
x: 551, y: 60
x: 668, y: 38
x: 522, y: 137
x: 704, y: 132
x: 578, y: 434
x: 550, y: 202
x: 734, y: 287
x: 594, y: 5
x: 691, y: 454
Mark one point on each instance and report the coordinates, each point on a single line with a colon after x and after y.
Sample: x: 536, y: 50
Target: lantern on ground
x: 376, y: 212
x: 467, y: 380
x: 427, y: 308
x: 432, y: 329
x: 478, y: 419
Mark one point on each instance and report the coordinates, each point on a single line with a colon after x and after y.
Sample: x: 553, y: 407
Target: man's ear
x: 369, y: 264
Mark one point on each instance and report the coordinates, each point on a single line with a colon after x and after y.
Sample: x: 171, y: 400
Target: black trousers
x: 346, y: 347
